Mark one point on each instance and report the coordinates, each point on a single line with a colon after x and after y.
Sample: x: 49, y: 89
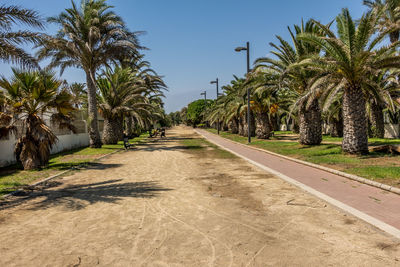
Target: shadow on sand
x: 79, y: 196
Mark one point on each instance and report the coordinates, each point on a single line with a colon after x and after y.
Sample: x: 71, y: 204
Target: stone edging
x: 343, y: 174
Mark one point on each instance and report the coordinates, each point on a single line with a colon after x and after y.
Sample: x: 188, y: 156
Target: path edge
x: 355, y: 212
x: 382, y: 186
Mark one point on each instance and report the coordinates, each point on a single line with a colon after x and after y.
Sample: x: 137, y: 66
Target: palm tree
x: 381, y: 97
x: 120, y: 95
x: 298, y: 79
x: 29, y: 98
x: 265, y: 102
x: 90, y: 37
x: 352, y: 58
x: 389, y: 16
x: 79, y: 94
x: 235, y: 107
x: 10, y: 52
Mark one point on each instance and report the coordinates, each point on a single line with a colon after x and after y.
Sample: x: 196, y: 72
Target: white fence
x: 66, y: 141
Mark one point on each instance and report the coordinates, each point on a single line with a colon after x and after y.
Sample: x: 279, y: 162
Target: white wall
x: 7, y: 152
x: 65, y: 142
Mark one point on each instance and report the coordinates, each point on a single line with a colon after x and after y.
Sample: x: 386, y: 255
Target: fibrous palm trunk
x: 355, y: 138
x: 112, y: 131
x: 310, y: 124
x: 252, y: 126
x: 336, y: 127
x: 234, y: 126
x: 94, y: 135
x: 129, y: 126
x: 377, y: 121
x: 263, y: 129
x: 295, y: 127
x: 241, y: 126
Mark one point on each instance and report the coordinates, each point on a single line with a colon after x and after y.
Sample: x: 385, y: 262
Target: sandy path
x: 162, y: 205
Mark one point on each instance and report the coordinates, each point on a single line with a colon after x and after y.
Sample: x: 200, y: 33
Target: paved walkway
x: 377, y: 203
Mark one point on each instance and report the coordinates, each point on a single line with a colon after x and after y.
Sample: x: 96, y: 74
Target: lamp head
x: 238, y: 49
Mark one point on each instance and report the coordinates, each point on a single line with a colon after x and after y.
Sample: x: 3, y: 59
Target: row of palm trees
x: 120, y: 84
x: 349, y: 78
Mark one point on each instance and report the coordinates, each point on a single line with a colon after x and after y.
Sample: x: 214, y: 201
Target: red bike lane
x: 377, y: 203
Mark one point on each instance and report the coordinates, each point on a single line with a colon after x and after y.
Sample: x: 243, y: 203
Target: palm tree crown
x: 10, y: 52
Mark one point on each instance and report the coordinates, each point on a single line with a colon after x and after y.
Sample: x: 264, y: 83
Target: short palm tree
x: 30, y: 98
x: 265, y: 102
x: 10, y: 52
x: 120, y: 95
x: 90, y: 36
x: 79, y: 94
x: 352, y: 58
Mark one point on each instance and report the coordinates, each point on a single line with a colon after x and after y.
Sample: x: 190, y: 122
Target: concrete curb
x: 385, y: 187
x: 58, y: 174
x: 348, y: 209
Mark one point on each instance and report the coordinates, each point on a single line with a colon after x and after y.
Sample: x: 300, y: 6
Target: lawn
x: 13, y: 177
x: 375, y: 166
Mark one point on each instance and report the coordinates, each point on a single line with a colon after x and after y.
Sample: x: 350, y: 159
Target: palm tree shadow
x: 76, y: 197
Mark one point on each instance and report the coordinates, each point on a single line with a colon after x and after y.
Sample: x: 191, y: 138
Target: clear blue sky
x: 191, y: 42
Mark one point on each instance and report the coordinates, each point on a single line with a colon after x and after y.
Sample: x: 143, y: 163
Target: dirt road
x: 183, y: 202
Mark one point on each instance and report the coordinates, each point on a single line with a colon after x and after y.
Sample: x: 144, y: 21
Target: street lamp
x: 205, y: 101
x: 247, y: 49
x: 216, y: 83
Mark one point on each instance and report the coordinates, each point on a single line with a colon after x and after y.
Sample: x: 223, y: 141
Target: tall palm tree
x: 352, y: 57
x: 10, y: 52
x: 90, y: 36
x: 298, y: 79
x: 30, y: 97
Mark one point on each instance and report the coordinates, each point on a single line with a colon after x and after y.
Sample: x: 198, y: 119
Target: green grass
x: 376, y: 166
x: 13, y: 177
x: 371, y: 141
x: 377, y: 172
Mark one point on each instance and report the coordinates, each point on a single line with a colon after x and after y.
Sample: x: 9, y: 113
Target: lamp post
x: 216, y: 83
x: 247, y: 49
x: 205, y: 100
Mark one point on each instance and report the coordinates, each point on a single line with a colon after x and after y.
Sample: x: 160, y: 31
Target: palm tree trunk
x: 252, y: 125
x: 355, y: 138
x: 336, y: 127
x: 112, y: 131
x: 295, y: 126
x: 310, y: 124
x: 94, y: 135
x: 241, y: 126
x: 234, y: 125
x: 129, y: 126
x: 377, y: 121
x: 263, y: 129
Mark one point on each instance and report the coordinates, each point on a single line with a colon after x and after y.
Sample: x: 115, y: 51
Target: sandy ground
x: 164, y: 205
